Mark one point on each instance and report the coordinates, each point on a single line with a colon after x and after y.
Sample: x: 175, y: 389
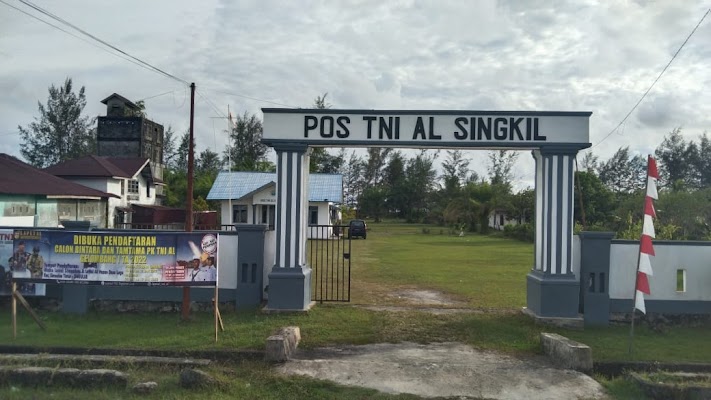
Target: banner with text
x: 118, y: 259
x: 6, y: 272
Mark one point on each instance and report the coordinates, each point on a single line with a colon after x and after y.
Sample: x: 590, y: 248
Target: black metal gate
x: 329, y: 252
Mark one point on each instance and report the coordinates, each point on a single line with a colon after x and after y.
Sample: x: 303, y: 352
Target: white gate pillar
x: 552, y: 288
x: 290, y: 279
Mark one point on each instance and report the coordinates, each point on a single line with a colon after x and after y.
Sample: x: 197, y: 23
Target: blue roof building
x: 252, y: 196
x: 237, y: 185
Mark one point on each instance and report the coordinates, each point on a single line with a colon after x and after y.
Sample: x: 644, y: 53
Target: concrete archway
x: 554, y: 138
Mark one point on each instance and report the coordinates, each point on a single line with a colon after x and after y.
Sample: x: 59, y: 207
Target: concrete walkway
x: 443, y: 370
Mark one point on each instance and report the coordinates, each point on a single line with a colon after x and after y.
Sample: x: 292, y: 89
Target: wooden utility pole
x: 189, y: 201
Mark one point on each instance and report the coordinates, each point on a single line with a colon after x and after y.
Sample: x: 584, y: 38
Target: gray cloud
x: 533, y: 55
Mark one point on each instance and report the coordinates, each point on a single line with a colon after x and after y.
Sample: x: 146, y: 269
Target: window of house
x: 88, y: 208
x: 313, y: 215
x: 66, y: 210
x: 19, y: 209
x: 133, y: 186
x: 123, y: 186
x: 681, y: 280
x: 239, y: 214
x: 501, y: 219
x: 268, y: 214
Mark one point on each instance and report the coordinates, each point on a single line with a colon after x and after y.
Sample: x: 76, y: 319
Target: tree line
x: 386, y: 183
x: 612, y: 191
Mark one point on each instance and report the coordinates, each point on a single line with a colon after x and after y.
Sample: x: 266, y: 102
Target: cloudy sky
x: 409, y: 54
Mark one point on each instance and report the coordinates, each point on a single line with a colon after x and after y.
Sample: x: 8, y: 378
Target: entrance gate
x: 329, y: 255
x: 554, y: 138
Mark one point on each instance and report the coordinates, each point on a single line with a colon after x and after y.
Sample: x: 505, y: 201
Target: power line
x: 69, y: 24
x: 250, y: 98
x: 655, y: 81
x: 123, y: 54
x: 211, y: 104
x: 154, y: 96
x: 72, y: 34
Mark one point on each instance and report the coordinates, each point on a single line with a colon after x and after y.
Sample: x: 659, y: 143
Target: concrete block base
x: 552, y: 296
x: 282, y: 345
x: 567, y: 353
x: 576, y: 323
x: 289, y: 289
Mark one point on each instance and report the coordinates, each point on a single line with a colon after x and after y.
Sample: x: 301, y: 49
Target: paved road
x: 444, y: 370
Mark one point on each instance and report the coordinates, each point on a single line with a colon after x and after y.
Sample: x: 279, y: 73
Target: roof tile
x: 234, y: 185
x: 21, y: 178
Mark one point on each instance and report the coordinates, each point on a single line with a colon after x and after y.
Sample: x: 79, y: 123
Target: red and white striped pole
x: 646, y: 248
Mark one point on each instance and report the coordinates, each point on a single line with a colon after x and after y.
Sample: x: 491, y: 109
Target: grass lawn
x: 484, y: 273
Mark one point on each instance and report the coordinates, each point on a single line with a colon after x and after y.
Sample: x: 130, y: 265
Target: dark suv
x: 357, y: 228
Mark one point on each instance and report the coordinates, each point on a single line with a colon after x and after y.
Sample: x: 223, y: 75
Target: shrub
x: 523, y: 232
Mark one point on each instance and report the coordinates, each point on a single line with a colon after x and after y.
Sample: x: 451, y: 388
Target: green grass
x: 486, y: 273
x: 621, y: 388
x: 246, y: 380
x: 483, y: 271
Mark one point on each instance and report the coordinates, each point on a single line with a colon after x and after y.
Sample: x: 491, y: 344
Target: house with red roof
x: 130, y: 179
x: 31, y: 197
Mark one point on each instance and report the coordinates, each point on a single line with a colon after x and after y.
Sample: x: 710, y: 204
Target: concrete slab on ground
x: 443, y: 370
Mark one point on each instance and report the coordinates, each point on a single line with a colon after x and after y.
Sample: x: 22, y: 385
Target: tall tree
x: 353, y: 179
x: 247, y: 152
x: 421, y: 178
x: 371, y: 203
x: 208, y: 163
x: 181, y: 154
x: 169, y: 148
x: 501, y: 163
x: 61, y: 132
x: 676, y: 158
x: 590, y: 162
x: 622, y: 173
x: 702, y: 163
x: 321, y: 160
x: 456, y: 168
x: 483, y: 199
x: 521, y: 205
x: 597, y: 200
x: 395, y: 181
x: 374, y: 165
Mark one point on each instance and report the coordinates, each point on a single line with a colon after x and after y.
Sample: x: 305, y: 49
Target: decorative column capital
x: 295, y: 147
x: 562, y: 149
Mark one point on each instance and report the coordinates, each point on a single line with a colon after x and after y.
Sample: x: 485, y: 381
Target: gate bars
x: 329, y: 253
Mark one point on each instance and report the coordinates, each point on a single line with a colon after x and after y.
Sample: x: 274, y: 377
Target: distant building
x: 123, y: 132
x: 34, y: 198
x: 254, y: 201
x: 499, y: 218
x: 131, y: 180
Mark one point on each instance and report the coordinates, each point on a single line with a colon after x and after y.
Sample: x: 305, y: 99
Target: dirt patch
x: 422, y: 297
x: 443, y: 370
x: 430, y: 310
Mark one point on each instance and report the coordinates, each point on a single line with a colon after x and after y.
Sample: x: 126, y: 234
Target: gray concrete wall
x: 690, y: 256
x: 269, y: 259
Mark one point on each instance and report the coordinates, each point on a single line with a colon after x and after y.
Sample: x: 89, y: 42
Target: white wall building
x: 252, y: 197
x: 129, y: 178
x: 498, y: 219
